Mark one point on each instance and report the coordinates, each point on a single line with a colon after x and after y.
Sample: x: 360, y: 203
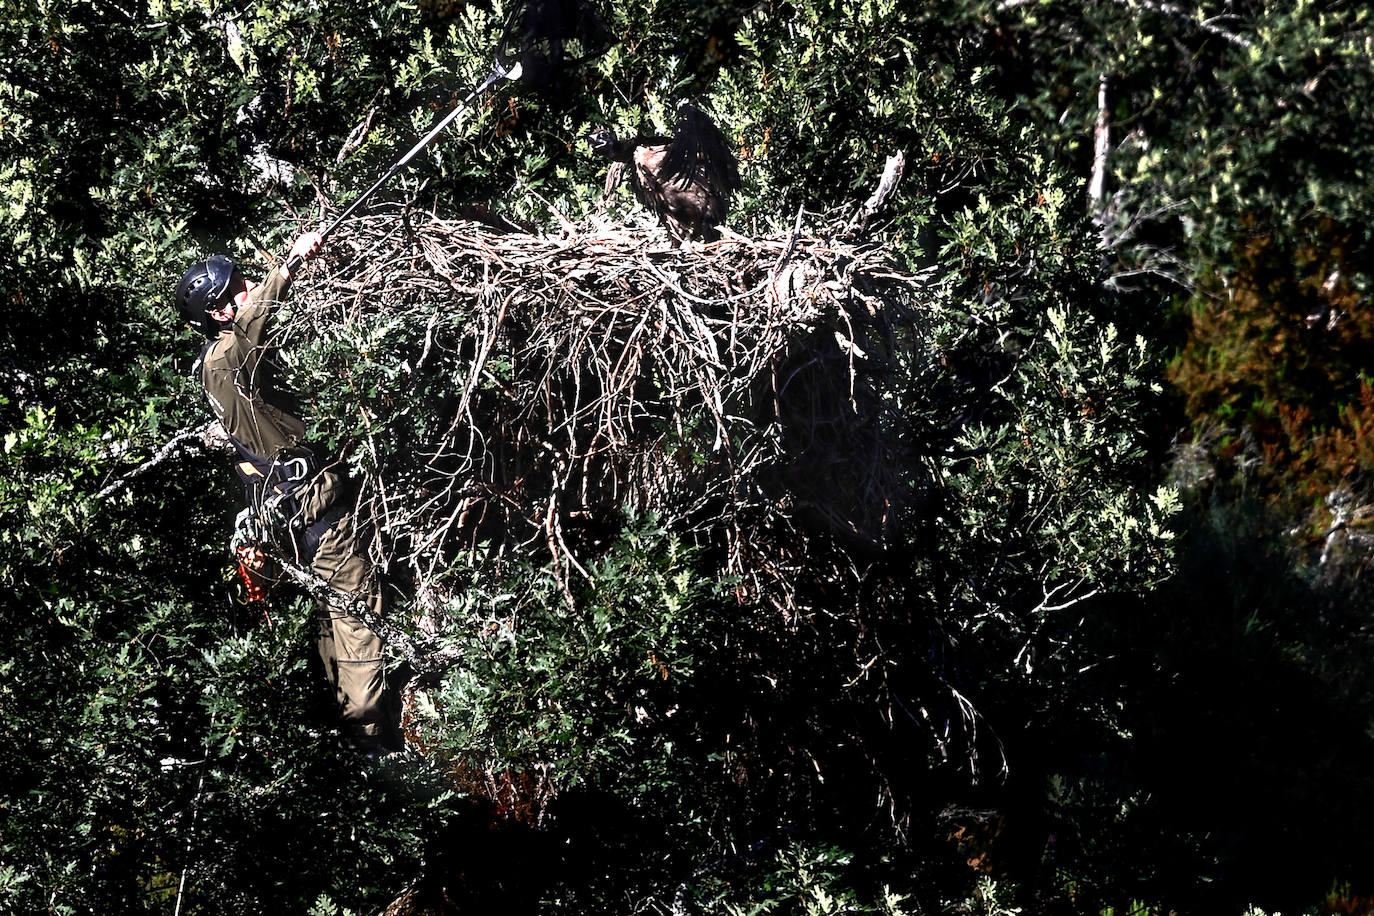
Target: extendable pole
x: 497, y: 73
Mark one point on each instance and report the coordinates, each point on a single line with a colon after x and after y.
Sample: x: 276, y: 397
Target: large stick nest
x: 503, y: 389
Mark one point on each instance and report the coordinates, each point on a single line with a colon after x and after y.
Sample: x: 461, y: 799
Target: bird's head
x: 603, y: 143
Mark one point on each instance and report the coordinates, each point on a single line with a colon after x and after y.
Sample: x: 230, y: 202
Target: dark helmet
x: 204, y: 288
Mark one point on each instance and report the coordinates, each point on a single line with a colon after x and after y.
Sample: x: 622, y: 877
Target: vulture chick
x: 686, y: 179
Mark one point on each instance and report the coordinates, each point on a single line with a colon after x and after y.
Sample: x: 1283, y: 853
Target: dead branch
x: 200, y: 436
x: 1097, y: 188
x: 1177, y: 12
x: 882, y: 195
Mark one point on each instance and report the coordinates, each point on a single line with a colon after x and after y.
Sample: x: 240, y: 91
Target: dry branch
x: 201, y: 436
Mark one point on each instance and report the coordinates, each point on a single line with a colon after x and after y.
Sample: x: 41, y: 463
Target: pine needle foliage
x: 730, y: 577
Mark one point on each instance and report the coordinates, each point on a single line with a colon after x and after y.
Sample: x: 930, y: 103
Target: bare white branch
x: 1097, y: 188
x: 1183, y: 15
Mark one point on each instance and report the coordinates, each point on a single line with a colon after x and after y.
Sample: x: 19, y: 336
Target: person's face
x: 238, y: 298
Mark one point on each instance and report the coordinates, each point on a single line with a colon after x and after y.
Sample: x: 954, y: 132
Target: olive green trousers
x: 353, y: 655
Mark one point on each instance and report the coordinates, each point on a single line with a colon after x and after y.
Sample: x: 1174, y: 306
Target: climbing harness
x: 275, y: 491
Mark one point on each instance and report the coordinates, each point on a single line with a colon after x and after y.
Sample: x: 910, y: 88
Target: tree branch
x: 1178, y: 12
x: 1097, y: 188
x: 887, y: 187
x: 200, y: 435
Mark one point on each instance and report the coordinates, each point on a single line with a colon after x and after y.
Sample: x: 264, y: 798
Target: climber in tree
x: 295, y: 502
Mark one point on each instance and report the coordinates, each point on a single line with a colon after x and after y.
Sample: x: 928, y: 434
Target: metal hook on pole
x: 498, y: 72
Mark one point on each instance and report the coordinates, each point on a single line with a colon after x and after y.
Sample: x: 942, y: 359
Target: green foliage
x: 143, y: 736
x: 579, y: 692
x: 798, y: 879
x: 1016, y: 619
x: 1237, y: 183
x: 574, y: 690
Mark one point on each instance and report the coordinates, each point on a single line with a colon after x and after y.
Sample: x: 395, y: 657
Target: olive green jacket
x: 240, y: 378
